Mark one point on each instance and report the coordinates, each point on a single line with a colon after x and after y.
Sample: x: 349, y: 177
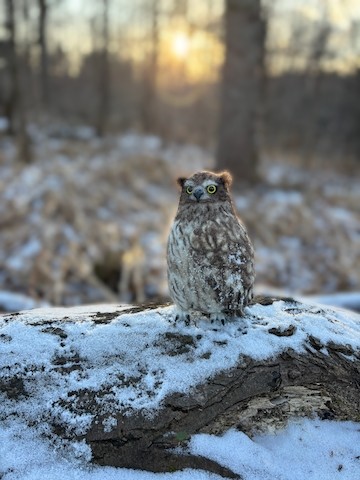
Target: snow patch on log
x: 62, y: 367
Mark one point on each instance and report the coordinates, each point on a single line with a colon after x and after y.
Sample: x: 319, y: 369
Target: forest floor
x: 87, y: 220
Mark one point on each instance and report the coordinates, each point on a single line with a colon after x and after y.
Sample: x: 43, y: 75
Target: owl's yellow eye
x: 211, y: 189
x: 189, y: 190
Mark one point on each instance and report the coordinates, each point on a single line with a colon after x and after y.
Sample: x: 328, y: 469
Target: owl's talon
x: 218, y: 317
x: 182, y: 316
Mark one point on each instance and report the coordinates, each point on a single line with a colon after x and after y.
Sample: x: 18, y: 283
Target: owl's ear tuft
x: 225, y: 178
x: 180, y: 181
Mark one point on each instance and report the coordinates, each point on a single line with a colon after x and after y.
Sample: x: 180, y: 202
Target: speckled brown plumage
x: 210, y: 257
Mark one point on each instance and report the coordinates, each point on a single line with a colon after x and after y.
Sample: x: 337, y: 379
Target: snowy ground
x: 88, y: 211
x: 42, y: 349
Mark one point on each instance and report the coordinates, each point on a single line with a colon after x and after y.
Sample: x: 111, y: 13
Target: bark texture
x: 44, y: 74
x: 243, y: 75
x: 253, y: 396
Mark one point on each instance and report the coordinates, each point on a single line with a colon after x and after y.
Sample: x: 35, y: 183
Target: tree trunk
x: 12, y: 97
x: 14, y: 107
x: 149, y: 94
x: 104, y: 74
x: 44, y: 76
x: 243, y: 75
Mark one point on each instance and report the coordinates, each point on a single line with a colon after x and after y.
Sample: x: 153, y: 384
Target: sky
x: 343, y: 16
x: 73, y: 23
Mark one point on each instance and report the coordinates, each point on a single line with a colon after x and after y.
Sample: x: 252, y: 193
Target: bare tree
x: 148, y: 104
x: 104, y: 73
x: 14, y: 106
x: 11, y: 99
x: 44, y: 75
x: 318, y: 51
x: 314, y: 83
x: 243, y: 75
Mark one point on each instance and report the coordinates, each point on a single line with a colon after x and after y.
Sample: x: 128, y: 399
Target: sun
x: 180, y: 45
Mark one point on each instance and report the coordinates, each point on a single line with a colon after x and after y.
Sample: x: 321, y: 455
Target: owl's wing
x: 239, y: 245
x: 228, y: 249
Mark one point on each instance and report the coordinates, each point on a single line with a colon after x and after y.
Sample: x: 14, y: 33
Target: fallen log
x: 133, y: 386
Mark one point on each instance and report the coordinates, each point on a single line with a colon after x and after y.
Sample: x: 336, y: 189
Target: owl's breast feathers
x: 211, y: 253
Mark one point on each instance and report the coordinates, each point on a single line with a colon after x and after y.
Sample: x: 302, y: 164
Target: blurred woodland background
x: 104, y: 102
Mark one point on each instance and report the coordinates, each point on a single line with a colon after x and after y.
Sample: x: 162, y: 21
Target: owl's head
x: 205, y: 187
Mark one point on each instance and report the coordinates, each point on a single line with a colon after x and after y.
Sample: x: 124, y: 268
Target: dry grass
x: 88, y: 222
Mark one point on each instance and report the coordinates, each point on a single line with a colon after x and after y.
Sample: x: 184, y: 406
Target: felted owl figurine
x: 210, y: 257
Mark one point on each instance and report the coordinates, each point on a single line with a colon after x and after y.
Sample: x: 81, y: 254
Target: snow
x: 31, y: 248
x: 136, y: 344
x: 136, y: 143
x: 4, y: 124
x: 13, y: 302
x: 310, y: 449
x: 126, y: 354
x: 349, y: 300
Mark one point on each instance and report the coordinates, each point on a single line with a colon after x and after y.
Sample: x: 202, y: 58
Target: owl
x: 210, y: 258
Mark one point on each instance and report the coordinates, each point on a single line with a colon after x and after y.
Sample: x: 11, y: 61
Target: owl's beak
x: 198, y: 193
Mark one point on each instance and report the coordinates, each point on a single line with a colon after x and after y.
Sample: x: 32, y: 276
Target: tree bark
x: 243, y: 75
x: 12, y: 98
x: 44, y: 75
x: 104, y: 74
x: 149, y: 95
x: 14, y: 107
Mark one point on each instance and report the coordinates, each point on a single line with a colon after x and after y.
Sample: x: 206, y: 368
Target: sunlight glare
x: 180, y: 45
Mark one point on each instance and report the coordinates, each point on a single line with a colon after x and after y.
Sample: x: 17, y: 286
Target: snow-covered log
x: 126, y: 386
